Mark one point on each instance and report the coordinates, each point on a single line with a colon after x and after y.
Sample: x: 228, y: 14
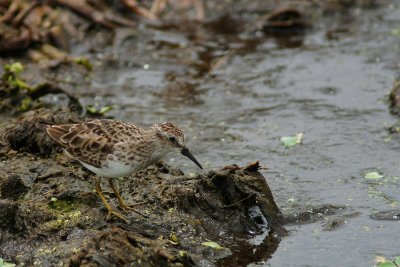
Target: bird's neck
x: 155, y: 150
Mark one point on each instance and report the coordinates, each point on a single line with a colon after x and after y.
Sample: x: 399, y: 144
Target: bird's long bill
x: 185, y: 151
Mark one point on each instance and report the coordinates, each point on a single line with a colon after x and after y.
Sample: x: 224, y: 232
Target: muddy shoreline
x: 51, y: 211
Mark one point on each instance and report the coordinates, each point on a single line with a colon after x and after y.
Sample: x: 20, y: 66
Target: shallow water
x: 334, y: 91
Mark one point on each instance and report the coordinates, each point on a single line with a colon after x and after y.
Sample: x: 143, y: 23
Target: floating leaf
x: 289, y: 141
x: 397, y: 260
x: 212, y: 244
x: 373, y: 175
x: 383, y: 262
x: 395, y: 31
x: 386, y: 264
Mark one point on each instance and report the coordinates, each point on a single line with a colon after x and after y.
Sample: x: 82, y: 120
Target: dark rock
x: 285, y: 21
x: 391, y: 215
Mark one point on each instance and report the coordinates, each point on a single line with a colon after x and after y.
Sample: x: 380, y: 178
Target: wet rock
x: 225, y: 24
x: 285, y: 21
x: 222, y: 196
x: 304, y: 215
x: 332, y: 216
x: 333, y: 223
x: 391, y: 215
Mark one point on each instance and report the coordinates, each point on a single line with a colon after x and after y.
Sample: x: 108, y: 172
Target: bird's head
x: 172, y: 138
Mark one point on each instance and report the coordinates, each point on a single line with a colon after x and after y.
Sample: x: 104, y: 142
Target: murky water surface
x: 332, y: 90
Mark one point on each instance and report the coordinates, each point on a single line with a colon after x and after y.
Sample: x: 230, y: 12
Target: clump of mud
x: 25, y: 134
x: 51, y: 214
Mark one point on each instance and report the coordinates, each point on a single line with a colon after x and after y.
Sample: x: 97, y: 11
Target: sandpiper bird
x: 116, y: 149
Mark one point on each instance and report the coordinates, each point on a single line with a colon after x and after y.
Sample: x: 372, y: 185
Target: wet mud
x: 50, y: 214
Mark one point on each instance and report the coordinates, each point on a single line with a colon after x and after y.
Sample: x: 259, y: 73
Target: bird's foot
x: 112, y: 212
x: 125, y: 207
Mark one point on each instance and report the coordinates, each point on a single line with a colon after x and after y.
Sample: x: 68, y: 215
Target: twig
x: 133, y: 5
x: 85, y: 10
x: 10, y: 12
x: 21, y: 16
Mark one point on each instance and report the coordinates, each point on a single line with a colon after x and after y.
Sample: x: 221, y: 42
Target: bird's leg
x: 108, y: 207
x: 121, y: 201
x: 199, y: 7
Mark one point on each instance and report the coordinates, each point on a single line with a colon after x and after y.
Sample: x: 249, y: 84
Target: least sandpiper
x: 115, y: 149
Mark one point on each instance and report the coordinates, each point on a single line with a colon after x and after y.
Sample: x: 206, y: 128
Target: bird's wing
x: 88, y: 142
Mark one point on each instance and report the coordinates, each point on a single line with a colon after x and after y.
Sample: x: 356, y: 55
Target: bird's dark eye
x: 172, y: 139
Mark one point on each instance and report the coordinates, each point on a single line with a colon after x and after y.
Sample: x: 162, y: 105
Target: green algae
x: 66, y: 220
x: 64, y: 205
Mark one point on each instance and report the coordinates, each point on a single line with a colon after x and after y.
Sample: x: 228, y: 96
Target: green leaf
x: 289, y: 141
x: 16, y: 68
x: 91, y: 109
x: 212, y: 244
x: 21, y: 84
x: 386, y: 264
x: 173, y: 239
x: 373, y: 175
x: 11, y: 76
x: 94, y: 111
x: 105, y: 109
